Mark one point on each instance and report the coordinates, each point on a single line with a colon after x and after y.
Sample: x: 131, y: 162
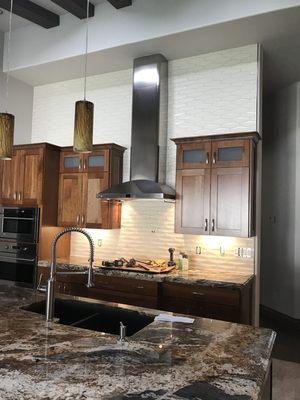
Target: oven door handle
x: 18, y: 259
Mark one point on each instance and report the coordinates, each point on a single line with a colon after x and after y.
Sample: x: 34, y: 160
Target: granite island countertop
x: 208, y: 359
x: 205, y: 276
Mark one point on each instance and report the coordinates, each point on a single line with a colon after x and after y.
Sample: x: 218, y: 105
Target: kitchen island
x: 208, y: 359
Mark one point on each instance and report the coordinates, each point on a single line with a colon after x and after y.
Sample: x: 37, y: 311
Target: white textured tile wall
x: 148, y: 231
x: 214, y: 93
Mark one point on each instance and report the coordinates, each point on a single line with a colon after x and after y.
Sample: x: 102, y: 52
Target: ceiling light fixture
x: 7, y: 121
x: 84, y: 110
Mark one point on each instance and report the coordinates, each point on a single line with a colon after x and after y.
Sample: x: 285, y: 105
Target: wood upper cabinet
x: 70, y: 194
x: 9, y: 175
x: 216, y: 196
x: 89, y: 174
x: 193, y: 196
x: 30, y: 178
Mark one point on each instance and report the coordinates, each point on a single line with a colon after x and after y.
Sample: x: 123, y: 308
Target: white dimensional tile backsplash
x: 213, y: 93
x: 148, y: 231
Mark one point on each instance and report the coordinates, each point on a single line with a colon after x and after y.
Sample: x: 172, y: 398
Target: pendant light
x: 84, y: 110
x: 7, y: 121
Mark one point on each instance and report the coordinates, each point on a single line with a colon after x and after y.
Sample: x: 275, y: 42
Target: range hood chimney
x: 149, y: 133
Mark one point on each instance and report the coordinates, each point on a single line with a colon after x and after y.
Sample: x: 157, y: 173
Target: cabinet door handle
x: 77, y: 219
x: 80, y: 164
x: 19, y: 196
x: 213, y: 225
x: 214, y: 157
x: 15, y: 196
x: 207, y: 158
x: 82, y: 219
x: 206, y: 225
x: 84, y: 165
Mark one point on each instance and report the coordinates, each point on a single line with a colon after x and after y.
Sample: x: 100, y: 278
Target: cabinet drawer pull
x: 206, y: 225
x: 207, y: 158
x: 214, y: 157
x: 198, y: 294
x: 140, y: 287
x: 213, y: 225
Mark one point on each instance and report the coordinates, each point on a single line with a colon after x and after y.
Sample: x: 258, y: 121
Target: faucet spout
x: 50, y: 300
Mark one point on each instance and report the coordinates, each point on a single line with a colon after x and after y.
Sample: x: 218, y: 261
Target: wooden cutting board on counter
x: 149, y: 269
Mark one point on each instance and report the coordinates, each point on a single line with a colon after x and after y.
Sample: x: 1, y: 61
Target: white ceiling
x: 278, y: 32
x: 18, y: 22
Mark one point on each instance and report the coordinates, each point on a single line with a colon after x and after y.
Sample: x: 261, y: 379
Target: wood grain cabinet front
x: 82, y: 176
x: 216, y: 196
x: 31, y: 179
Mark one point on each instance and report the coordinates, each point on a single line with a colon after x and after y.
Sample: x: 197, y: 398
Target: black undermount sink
x: 93, y: 316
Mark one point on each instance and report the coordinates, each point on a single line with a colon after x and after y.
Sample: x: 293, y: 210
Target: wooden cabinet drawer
x: 134, y: 286
x: 201, y: 294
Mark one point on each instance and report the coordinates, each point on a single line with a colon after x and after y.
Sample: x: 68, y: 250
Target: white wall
x: 209, y: 94
x: 20, y: 103
x: 145, y: 20
x: 280, y: 251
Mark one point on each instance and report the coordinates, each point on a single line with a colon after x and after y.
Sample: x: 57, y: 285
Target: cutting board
x: 150, y: 270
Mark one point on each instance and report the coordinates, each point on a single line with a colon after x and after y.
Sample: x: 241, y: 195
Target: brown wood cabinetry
x: 227, y: 304
x: 82, y: 176
x: 31, y: 179
x: 215, y: 185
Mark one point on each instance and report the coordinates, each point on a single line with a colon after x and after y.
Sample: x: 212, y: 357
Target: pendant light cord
x: 8, y: 51
x: 86, y: 47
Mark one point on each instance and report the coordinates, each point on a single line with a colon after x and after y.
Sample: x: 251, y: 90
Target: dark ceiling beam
x: 120, y: 3
x: 76, y: 7
x: 32, y: 12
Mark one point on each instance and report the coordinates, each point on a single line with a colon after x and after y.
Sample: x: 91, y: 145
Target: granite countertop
x: 205, y: 277
x: 205, y: 360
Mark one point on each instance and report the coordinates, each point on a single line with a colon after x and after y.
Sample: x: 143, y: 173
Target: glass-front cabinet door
x: 194, y: 155
x: 71, y: 162
x: 97, y: 161
x: 230, y: 153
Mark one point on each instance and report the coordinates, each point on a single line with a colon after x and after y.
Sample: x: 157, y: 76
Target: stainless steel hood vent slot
x: 149, y: 133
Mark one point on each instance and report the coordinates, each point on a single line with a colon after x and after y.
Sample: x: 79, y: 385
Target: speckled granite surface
x: 206, y: 277
x: 206, y: 360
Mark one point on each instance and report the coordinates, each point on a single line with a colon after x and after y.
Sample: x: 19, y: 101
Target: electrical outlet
x: 198, y: 250
x: 99, y: 242
x: 243, y: 252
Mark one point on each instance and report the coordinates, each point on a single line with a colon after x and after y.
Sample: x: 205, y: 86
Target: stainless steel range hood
x: 149, y: 133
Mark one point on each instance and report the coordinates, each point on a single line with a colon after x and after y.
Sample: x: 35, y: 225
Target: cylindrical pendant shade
x: 83, y: 129
x: 7, y: 124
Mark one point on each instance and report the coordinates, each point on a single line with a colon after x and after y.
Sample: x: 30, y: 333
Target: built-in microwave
x: 19, y: 223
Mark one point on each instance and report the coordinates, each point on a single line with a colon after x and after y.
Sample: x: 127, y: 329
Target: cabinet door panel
x: 70, y: 203
x: 94, y: 210
x: 31, y: 171
x: 8, y: 184
x: 97, y: 161
x: 230, y: 202
x: 71, y: 162
x: 192, y: 201
x: 230, y: 153
x: 193, y: 155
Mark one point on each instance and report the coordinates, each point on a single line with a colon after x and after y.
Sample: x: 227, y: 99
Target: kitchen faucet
x: 51, y: 281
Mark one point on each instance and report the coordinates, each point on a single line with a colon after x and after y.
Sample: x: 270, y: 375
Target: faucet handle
x: 122, y: 337
x: 41, y: 288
